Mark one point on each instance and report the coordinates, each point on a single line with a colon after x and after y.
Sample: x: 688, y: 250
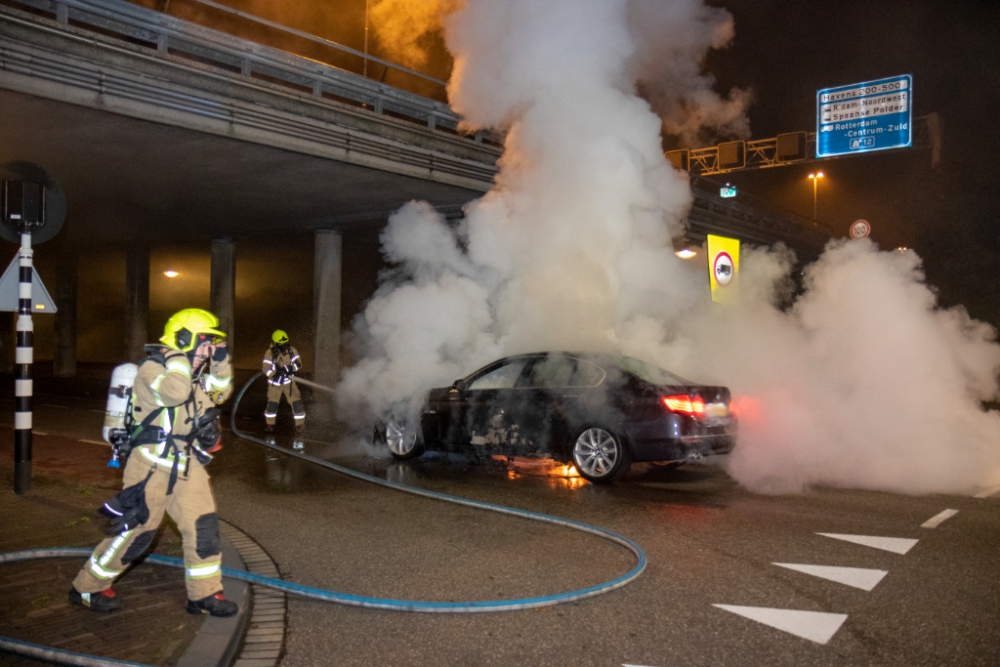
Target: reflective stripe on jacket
x: 275, y: 359
x: 166, y: 384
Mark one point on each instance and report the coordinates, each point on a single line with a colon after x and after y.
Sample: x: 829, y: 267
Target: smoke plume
x: 402, y: 26
x: 671, y: 40
x: 863, y: 382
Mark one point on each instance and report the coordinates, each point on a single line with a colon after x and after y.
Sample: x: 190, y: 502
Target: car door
x: 567, y: 393
x: 474, y: 406
x: 543, y: 412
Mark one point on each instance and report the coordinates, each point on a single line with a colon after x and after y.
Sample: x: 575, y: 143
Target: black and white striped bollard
x: 23, y: 360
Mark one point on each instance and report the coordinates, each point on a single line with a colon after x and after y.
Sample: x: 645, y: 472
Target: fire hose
x: 70, y: 658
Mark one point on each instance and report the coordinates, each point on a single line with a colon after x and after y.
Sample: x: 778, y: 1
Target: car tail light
x: 685, y: 405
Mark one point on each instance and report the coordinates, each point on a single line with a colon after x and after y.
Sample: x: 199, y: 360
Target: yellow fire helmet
x: 279, y: 337
x: 185, y: 326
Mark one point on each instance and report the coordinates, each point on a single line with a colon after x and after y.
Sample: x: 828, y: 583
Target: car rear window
x: 587, y: 375
x: 556, y: 371
x: 551, y: 371
x: 650, y: 373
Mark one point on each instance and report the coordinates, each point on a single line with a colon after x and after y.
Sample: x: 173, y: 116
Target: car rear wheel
x: 403, y: 440
x: 599, y: 455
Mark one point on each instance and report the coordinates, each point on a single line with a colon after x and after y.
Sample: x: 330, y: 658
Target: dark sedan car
x: 600, y: 412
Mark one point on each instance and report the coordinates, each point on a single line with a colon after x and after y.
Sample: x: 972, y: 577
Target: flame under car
x: 598, y: 412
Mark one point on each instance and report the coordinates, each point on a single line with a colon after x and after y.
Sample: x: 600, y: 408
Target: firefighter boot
x: 103, y: 601
x: 216, y: 605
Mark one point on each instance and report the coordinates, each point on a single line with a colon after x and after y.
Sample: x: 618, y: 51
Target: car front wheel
x: 403, y: 440
x: 599, y: 456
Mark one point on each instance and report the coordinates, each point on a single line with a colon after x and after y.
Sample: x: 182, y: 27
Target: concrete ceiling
x: 131, y: 180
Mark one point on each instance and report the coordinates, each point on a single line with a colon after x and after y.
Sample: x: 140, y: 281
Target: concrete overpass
x: 163, y: 132
x: 177, y: 144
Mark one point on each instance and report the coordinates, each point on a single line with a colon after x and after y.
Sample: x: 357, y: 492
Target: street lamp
x: 815, y: 179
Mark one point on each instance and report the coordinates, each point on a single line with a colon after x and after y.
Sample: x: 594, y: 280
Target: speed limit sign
x: 860, y: 229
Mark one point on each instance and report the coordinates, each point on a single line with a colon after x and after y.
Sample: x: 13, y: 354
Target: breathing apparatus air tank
x: 116, y: 412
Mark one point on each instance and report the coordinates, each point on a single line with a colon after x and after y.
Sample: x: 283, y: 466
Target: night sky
x: 784, y: 51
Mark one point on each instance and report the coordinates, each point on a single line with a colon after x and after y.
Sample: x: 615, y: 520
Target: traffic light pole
x: 23, y: 386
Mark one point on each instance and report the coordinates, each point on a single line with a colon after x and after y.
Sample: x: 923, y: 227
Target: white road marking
x: 95, y: 442
x: 938, y: 519
x: 858, y: 577
x: 897, y: 545
x: 988, y: 492
x: 816, y: 626
x: 39, y: 432
x: 625, y: 664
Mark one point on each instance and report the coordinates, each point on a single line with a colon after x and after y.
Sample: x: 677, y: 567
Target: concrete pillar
x: 66, y: 279
x: 136, y: 302
x: 223, y: 287
x: 326, y: 305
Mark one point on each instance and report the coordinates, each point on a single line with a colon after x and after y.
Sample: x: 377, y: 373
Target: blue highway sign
x: 862, y: 117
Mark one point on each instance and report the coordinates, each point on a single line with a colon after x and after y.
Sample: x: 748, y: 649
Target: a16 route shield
x: 723, y: 267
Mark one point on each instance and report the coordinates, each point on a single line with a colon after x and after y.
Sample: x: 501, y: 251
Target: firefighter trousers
x: 191, y: 506
x: 294, y: 398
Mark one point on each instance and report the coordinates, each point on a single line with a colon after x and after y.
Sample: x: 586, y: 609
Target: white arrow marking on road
x: 858, y: 577
x: 897, y: 545
x: 938, y: 519
x: 816, y: 626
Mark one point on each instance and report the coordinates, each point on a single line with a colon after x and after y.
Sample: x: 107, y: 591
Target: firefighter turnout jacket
x: 168, y: 460
x: 280, y: 364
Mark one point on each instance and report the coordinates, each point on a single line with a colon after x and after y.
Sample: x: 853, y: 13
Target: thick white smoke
x: 862, y: 383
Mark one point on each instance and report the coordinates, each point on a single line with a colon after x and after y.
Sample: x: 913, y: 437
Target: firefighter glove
x: 127, y: 509
x: 206, y: 428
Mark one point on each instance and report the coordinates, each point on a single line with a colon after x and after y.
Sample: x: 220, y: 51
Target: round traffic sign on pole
x: 860, y: 229
x: 723, y: 268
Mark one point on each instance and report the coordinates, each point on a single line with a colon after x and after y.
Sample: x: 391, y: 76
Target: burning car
x: 599, y: 412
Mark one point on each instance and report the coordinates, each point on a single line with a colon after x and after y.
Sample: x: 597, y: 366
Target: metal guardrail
x: 22, y: 54
x: 167, y: 34
x: 758, y: 222
x: 762, y: 207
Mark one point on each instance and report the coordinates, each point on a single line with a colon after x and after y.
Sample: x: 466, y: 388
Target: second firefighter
x: 281, y: 363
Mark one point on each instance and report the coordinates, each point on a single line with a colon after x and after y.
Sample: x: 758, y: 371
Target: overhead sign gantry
x: 850, y: 120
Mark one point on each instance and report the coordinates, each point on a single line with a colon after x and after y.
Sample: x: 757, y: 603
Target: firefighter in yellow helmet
x: 281, y: 363
x: 175, y: 430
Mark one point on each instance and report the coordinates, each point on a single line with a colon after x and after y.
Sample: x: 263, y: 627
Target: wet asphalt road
x: 708, y: 542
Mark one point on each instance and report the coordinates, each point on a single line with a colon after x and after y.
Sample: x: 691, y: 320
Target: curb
x: 218, y: 638
x: 265, y: 639
x: 261, y: 631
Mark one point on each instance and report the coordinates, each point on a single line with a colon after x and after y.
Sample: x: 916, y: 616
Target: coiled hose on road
x: 64, y: 657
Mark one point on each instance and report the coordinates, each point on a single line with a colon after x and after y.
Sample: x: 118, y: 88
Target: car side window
x: 551, y: 372
x: 587, y: 375
x: 503, y: 377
